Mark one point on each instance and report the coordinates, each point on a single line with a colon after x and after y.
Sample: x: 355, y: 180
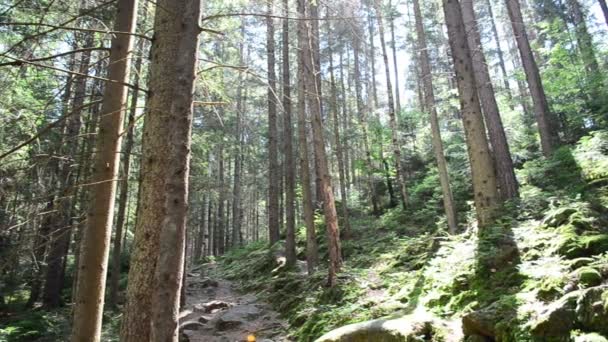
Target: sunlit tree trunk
x: 396, y: 146
x: 448, y: 200
x: 95, y: 248
x: 322, y: 170
x: 545, y: 119
x: 362, y: 116
x: 124, y: 186
x: 482, y: 167
x: 151, y: 310
x: 503, y: 163
x: 499, y: 52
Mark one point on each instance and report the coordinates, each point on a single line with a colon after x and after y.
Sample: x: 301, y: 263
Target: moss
x: 588, y: 276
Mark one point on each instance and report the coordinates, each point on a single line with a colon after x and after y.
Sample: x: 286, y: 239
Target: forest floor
x: 215, y: 311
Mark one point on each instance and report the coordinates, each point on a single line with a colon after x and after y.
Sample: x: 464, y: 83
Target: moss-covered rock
x: 557, y: 320
x: 592, y: 309
x: 411, y: 328
x: 588, y: 276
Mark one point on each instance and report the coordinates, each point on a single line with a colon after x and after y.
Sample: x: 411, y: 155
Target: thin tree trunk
x: 448, y: 200
x: 482, y: 168
x: 362, y: 116
x: 124, y: 186
x: 501, y: 58
x: 549, y: 138
x: 221, y: 223
x: 273, y: 162
x: 322, y: 170
x: 604, y: 9
x: 338, y: 144
x: 395, y: 67
x: 62, y: 220
x: 290, y: 240
x: 391, y: 113
x: 507, y: 183
x: 583, y: 38
x: 96, y: 240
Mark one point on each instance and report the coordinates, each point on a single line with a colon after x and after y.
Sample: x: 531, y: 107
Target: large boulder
x: 481, y: 322
x: 592, y: 309
x: 557, y: 320
x: 415, y: 327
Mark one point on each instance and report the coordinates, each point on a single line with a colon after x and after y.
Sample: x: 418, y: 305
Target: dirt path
x: 215, y: 311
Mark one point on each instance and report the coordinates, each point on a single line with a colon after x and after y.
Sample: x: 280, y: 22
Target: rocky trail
x: 215, y: 311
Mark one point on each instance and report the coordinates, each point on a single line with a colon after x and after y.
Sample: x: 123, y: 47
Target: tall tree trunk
x: 322, y: 170
x: 549, y: 138
x: 312, y: 256
x: 336, y: 130
x: 427, y: 78
x: 62, y: 220
x: 199, y: 248
x: 96, y: 240
x: 221, y: 223
x: 507, y: 183
x: 362, y: 116
x: 124, y: 186
x: 273, y: 161
x: 500, y: 54
x: 395, y: 67
x: 156, y: 271
x: 290, y: 167
x: 237, y: 210
x: 400, y: 172
x: 372, y: 60
x: 482, y: 168
x: 583, y: 38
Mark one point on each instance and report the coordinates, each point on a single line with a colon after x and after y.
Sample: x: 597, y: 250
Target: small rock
x: 190, y: 325
x: 481, y: 322
x: 477, y: 338
x: 203, y: 319
x: 212, y: 306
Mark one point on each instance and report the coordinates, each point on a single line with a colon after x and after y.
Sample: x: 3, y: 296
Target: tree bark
x: 337, y: 142
x: 124, y: 186
x: 273, y: 161
x: 155, y: 276
x: 61, y: 225
x: 290, y: 167
x: 448, y: 200
x: 507, y: 183
x: 549, y: 138
x: 362, y: 116
x: 329, y: 206
x: 312, y: 256
x: 583, y: 38
x: 501, y: 58
x: 482, y: 168
x: 96, y: 240
x: 395, y: 67
x: 400, y: 172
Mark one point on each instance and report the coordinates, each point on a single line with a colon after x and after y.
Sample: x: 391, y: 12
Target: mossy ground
x: 553, y: 239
